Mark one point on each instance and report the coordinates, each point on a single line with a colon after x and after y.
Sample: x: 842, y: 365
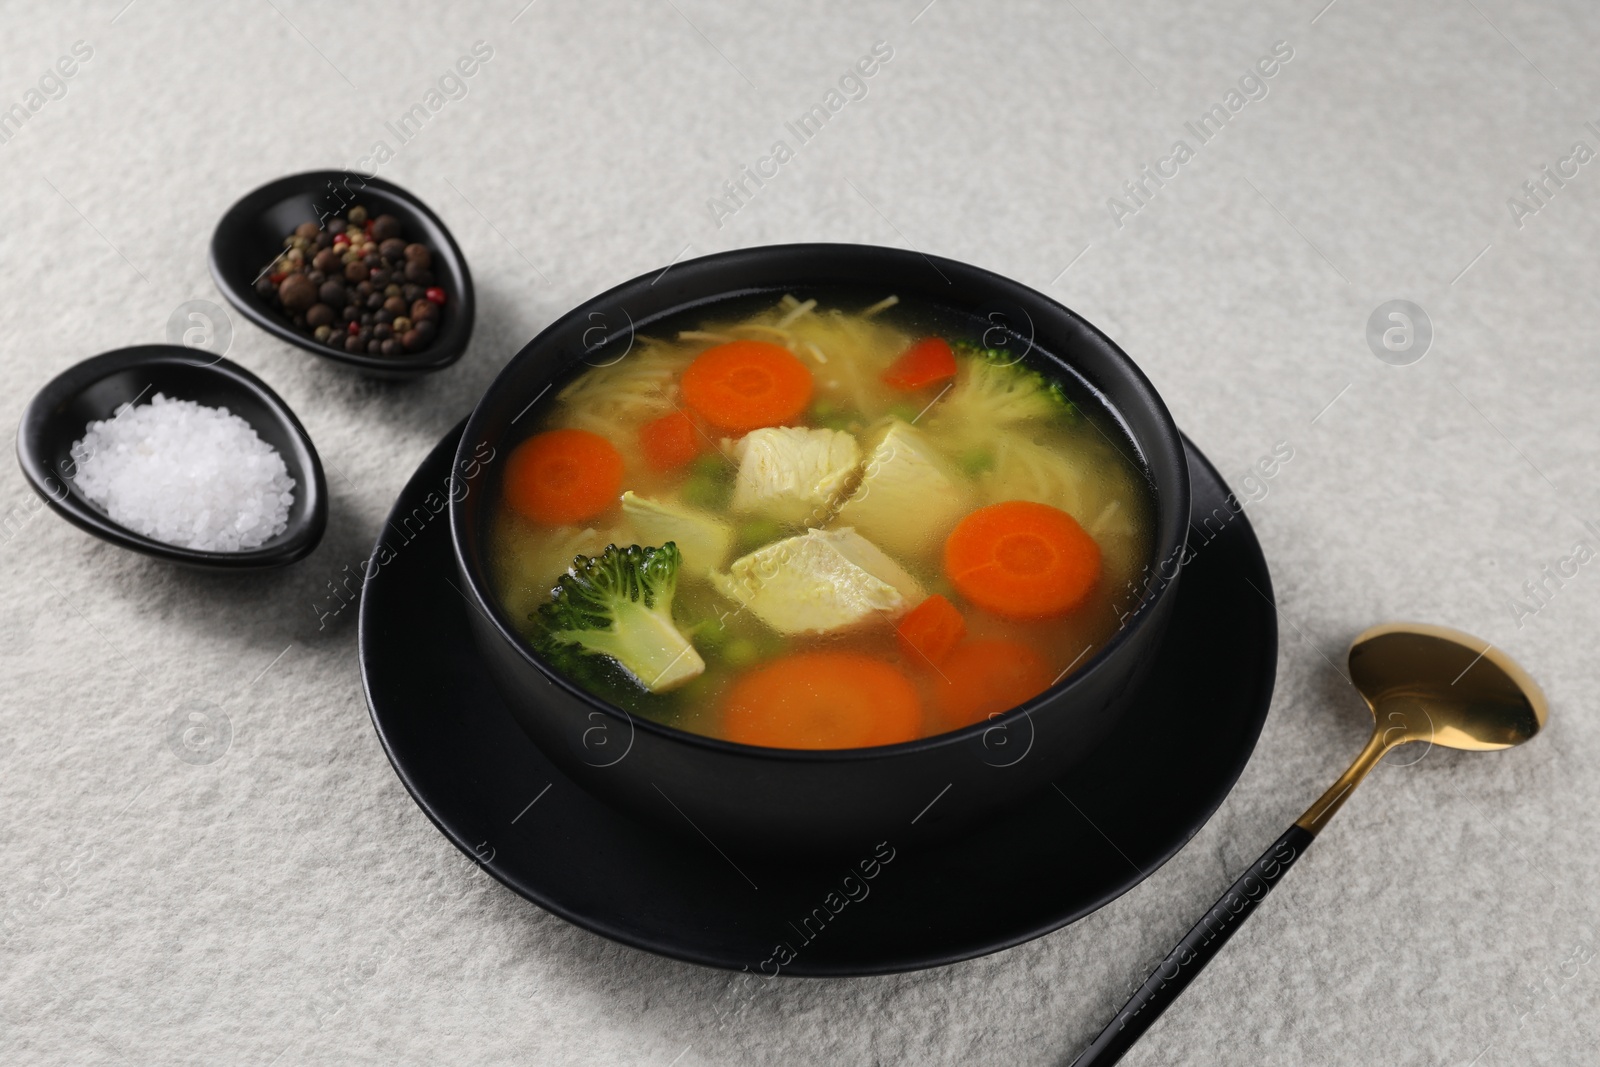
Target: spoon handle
x: 1196, y: 950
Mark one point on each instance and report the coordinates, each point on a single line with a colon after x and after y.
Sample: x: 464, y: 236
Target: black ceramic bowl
x: 744, y: 798
x: 251, y: 235
x: 95, y: 388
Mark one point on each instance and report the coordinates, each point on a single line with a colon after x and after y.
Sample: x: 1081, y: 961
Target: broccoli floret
x: 619, y: 605
x: 998, y: 387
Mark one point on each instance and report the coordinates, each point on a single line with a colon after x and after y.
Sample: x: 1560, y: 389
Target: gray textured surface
x: 288, y: 904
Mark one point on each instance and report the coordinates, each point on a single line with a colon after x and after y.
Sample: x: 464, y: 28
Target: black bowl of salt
x: 179, y: 455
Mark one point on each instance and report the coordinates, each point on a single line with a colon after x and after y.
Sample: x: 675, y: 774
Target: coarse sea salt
x: 185, y: 474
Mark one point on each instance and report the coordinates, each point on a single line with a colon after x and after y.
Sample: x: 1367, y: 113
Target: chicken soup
x: 820, y: 527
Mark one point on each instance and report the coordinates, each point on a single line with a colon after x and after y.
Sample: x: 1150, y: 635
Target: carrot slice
x: 927, y: 361
x: 822, y: 700
x: 670, y: 441
x: 984, y: 677
x: 745, y: 385
x: 1022, y: 560
x: 929, y: 631
x: 563, y: 476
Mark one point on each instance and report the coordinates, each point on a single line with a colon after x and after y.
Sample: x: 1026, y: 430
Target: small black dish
x: 251, y: 235
x: 1046, y: 861
x: 95, y: 388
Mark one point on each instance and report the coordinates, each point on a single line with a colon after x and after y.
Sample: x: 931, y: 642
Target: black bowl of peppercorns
x: 355, y: 283
x: 351, y: 268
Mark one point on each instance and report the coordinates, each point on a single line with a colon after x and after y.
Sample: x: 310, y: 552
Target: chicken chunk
x: 908, y: 499
x: 819, y: 582
x: 794, y: 474
x: 702, y: 539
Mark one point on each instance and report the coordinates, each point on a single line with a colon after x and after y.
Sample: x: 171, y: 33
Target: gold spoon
x: 1422, y: 683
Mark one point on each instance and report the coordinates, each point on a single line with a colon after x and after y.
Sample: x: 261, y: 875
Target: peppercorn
x: 297, y: 293
x: 356, y: 282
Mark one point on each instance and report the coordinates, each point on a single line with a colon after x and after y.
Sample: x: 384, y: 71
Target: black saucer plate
x: 1047, y: 862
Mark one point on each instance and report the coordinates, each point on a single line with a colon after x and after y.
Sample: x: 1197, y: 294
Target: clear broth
x: 1081, y: 462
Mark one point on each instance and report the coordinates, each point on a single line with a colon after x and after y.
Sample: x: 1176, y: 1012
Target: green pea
x: 974, y: 461
x: 757, y: 532
x: 710, y: 483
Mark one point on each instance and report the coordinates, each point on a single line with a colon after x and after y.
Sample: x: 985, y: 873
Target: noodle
x: 799, y: 310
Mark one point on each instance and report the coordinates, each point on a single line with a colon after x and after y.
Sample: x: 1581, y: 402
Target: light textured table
x: 287, y: 903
